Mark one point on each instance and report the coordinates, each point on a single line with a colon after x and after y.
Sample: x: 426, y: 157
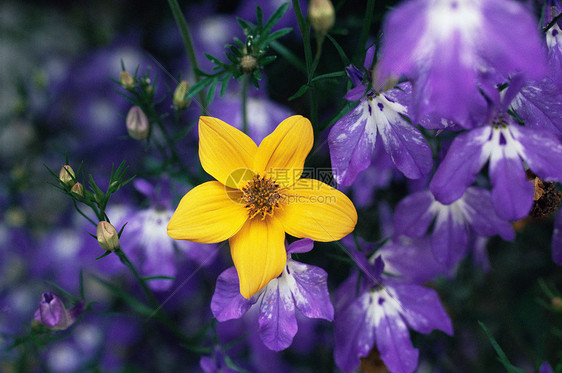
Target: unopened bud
x: 78, y: 189
x: 108, y: 237
x: 137, y: 123
x: 322, y: 15
x: 126, y: 80
x: 248, y: 63
x: 180, y: 102
x: 67, y: 176
x: 53, y: 314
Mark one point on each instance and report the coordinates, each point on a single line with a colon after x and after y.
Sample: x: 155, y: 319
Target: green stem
x: 305, y: 31
x: 370, y: 12
x: 147, y: 292
x: 245, y: 103
x: 188, y: 43
x: 158, y: 313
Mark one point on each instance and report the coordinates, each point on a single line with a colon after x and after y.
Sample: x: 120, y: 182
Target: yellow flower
x: 258, y: 196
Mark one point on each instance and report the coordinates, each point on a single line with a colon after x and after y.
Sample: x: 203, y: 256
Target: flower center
x: 261, y: 196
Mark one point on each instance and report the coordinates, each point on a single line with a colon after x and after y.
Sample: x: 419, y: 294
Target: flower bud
x: 67, y: 176
x: 180, y: 102
x: 107, y: 236
x: 126, y: 80
x: 78, y: 189
x: 322, y: 15
x: 248, y: 63
x: 137, y: 123
x: 54, y: 315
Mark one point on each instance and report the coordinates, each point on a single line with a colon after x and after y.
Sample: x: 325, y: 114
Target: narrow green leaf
x: 288, y: 55
x: 337, y: 74
x: 150, y: 278
x: 259, y: 16
x: 501, y: 355
x: 279, y: 34
x: 211, y: 92
x: 104, y: 255
x: 275, y: 17
x: 246, y: 26
x: 342, y: 54
x: 66, y: 293
x: 302, y: 90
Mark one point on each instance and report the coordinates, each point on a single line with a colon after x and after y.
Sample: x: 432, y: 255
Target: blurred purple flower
x: 381, y: 310
x: 265, y: 114
x: 447, y: 48
x: 146, y: 238
x: 545, y: 368
x: 353, y: 138
x: 300, y: 286
x: 452, y: 224
x: 506, y: 145
x: 54, y: 315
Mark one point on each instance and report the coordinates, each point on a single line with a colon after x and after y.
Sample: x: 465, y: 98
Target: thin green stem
x: 305, y: 31
x: 245, y: 79
x: 188, y: 43
x: 370, y: 12
x: 147, y: 292
x: 82, y: 213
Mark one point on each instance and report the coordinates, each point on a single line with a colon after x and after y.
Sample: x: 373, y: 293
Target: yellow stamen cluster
x: 261, y: 196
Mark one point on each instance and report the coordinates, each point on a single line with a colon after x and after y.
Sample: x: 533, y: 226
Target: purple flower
x: 447, y: 48
x: 300, y: 286
x: 147, y: 237
x: 506, y: 145
x: 545, y: 368
x: 472, y: 212
x: 381, y: 311
x: 352, y: 139
x: 539, y: 104
x: 54, y: 315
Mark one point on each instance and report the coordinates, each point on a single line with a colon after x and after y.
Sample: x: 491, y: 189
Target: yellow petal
x: 283, y: 152
x: 318, y: 211
x: 208, y: 213
x: 258, y: 252
x: 224, y: 150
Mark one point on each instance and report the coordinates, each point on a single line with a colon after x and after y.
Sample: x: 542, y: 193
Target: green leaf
x: 267, y: 60
x: 150, y: 278
x: 288, y: 55
x: 104, y: 255
x: 302, y: 90
x: 259, y: 16
x: 279, y: 33
x: 66, y: 293
x: 275, y: 17
x: 246, y: 26
x: 337, y: 74
x: 211, y: 92
x: 342, y: 54
x: 501, y: 355
x: 225, y: 82
x: 214, y: 60
x: 197, y: 87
